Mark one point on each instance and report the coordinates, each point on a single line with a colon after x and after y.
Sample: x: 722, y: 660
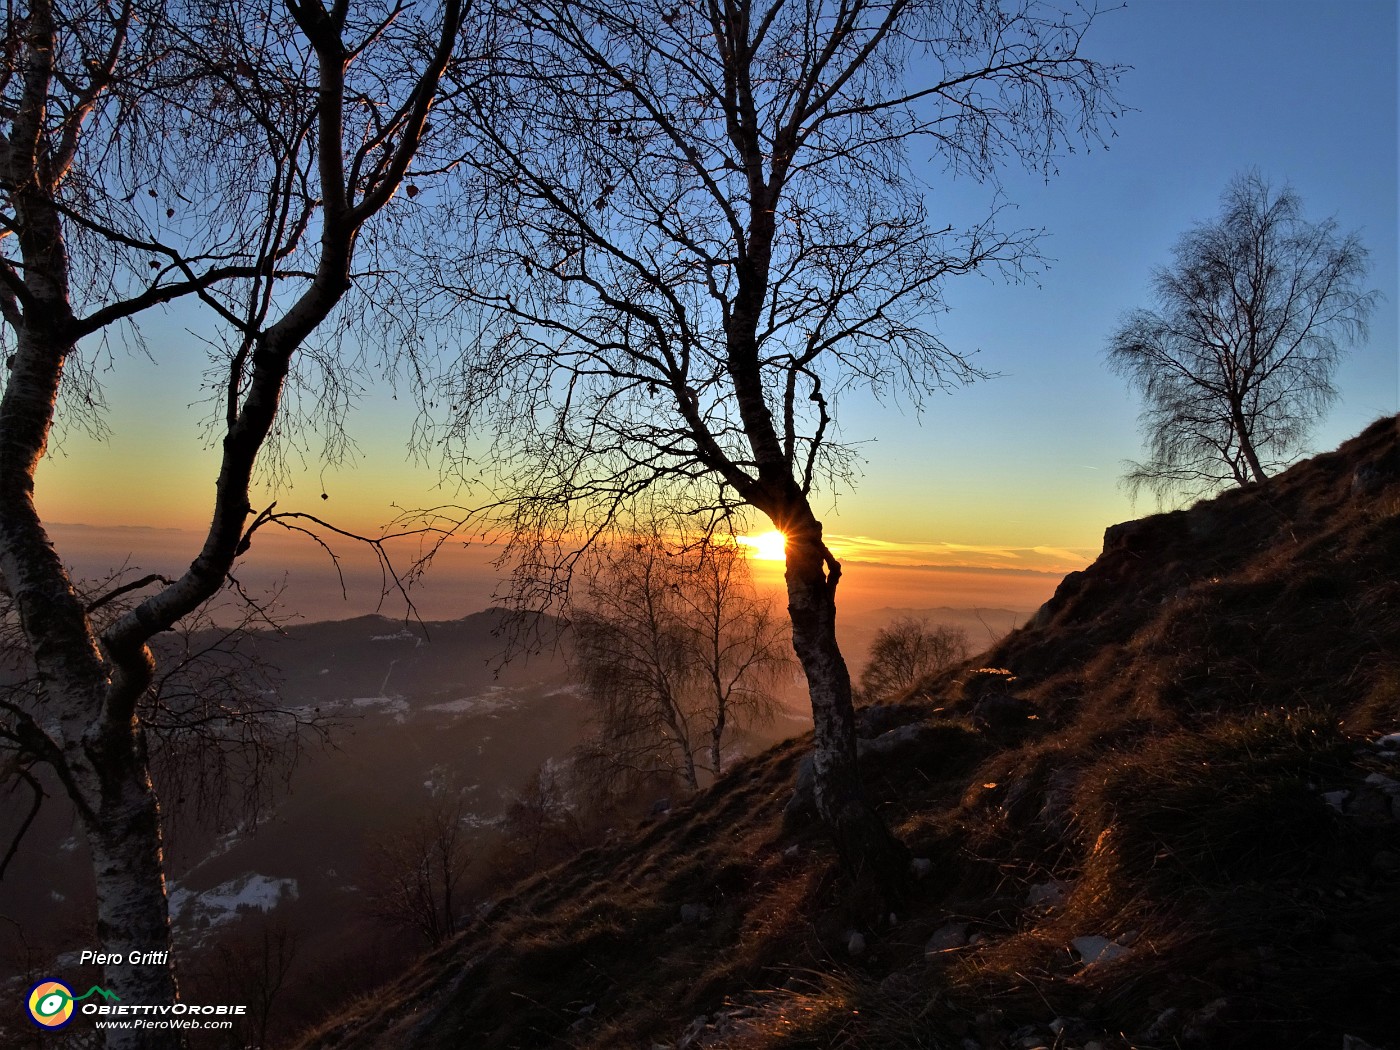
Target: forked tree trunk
x: 97, y: 751
x: 1247, y: 444
x: 877, y: 862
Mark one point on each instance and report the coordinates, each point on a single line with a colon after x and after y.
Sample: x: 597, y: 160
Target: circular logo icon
x: 51, y: 1004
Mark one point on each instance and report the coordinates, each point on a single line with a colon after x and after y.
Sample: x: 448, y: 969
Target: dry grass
x: 1196, y: 691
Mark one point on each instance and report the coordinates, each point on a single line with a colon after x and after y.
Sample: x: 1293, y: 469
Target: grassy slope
x: 1192, y: 695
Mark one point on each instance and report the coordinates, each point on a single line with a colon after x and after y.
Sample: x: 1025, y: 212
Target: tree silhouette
x: 1235, y: 364
x: 417, y: 872
x: 150, y: 152
x: 709, y: 230
x: 675, y: 651
x: 906, y: 651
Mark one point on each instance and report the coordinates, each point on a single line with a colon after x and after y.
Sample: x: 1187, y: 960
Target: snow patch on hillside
x: 401, y: 635
x: 497, y: 698
x: 213, y: 907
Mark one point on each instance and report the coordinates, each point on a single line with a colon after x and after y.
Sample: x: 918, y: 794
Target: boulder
x: 948, y: 936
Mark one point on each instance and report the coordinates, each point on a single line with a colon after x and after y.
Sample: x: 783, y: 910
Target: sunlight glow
x: 766, y: 546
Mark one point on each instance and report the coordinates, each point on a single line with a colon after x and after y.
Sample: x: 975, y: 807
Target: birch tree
x: 1235, y: 364
x: 150, y: 152
x: 714, y: 224
x: 675, y: 651
x: 907, y: 650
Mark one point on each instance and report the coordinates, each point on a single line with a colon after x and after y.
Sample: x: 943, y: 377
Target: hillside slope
x: 1166, y: 813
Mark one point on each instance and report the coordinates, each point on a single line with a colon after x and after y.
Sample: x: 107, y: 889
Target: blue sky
x: 1021, y: 471
x: 1305, y: 92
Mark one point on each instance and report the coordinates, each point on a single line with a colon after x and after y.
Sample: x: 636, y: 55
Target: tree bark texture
x: 93, y: 743
x: 86, y: 724
x: 876, y: 861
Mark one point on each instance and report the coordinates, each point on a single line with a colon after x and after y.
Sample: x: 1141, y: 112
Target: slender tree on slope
x: 711, y: 228
x: 1236, y: 362
x: 149, y: 153
x: 675, y: 651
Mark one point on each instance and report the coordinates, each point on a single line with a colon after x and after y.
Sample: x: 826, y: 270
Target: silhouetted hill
x: 1162, y: 814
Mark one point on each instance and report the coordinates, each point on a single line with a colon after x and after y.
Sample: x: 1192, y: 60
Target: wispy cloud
x: 949, y: 555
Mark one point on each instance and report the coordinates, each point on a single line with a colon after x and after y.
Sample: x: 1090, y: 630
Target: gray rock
x: 1204, y: 1024
x: 921, y: 867
x: 950, y: 935
x: 895, y: 742
x: 878, y: 718
x: 1048, y: 894
x: 1370, y: 478
x: 693, y: 1032
x: 1095, y: 950
x: 1336, y: 799
x: 695, y: 914
x: 855, y: 944
x: 1166, y: 1023
x: 1387, y: 784
x: 1003, y: 715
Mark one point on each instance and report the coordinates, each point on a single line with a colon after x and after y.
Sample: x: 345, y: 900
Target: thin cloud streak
x: 962, y: 556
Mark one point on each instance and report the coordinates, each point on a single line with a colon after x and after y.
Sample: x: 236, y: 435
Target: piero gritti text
x: 135, y: 958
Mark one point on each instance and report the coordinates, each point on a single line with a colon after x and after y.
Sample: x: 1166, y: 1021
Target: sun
x: 766, y: 546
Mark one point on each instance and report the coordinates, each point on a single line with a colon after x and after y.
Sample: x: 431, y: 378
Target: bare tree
x: 908, y: 650
x: 675, y: 651
x: 540, y: 827
x: 251, y: 965
x: 147, y: 153
x: 710, y: 230
x: 1235, y: 364
x: 417, y: 874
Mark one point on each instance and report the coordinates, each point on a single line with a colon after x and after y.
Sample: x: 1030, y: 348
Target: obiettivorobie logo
x: 51, y: 1002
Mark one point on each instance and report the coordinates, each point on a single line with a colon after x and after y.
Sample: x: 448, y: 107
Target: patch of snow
x: 475, y: 821
x: 69, y: 844
x: 54, y: 895
x: 223, y: 903
x: 403, y: 634
x: 497, y: 698
x: 324, y: 670
x: 390, y: 705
